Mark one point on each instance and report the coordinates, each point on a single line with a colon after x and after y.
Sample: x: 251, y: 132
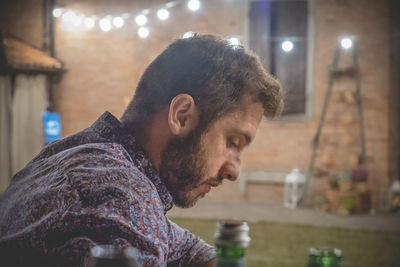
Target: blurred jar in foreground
x: 231, y: 239
x: 109, y: 255
x: 324, y: 257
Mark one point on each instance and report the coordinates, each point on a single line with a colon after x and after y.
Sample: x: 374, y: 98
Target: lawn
x: 277, y: 244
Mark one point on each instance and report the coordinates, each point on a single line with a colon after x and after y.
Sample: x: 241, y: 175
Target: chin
x: 185, y: 201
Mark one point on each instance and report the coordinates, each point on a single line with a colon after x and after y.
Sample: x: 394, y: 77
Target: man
x: 196, y: 107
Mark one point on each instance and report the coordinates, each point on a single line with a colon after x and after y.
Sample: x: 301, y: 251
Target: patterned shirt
x: 94, y: 187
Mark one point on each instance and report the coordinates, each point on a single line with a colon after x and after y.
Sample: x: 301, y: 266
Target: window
x: 278, y: 34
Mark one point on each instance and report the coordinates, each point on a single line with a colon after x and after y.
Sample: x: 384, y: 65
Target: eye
x: 233, y: 143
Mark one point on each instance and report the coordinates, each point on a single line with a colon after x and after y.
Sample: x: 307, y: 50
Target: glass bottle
x: 324, y: 257
x: 109, y: 255
x: 231, y: 239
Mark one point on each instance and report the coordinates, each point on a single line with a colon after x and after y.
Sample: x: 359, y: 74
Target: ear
x: 182, y: 115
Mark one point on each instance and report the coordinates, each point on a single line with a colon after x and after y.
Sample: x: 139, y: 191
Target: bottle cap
x: 232, y: 233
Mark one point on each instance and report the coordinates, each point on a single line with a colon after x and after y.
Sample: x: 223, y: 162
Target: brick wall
x: 104, y: 68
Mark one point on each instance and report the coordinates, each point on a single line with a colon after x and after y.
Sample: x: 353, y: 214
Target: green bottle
x: 231, y: 239
x: 324, y: 257
x: 314, y: 257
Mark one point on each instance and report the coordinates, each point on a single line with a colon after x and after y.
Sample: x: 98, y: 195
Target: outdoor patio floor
x: 259, y: 211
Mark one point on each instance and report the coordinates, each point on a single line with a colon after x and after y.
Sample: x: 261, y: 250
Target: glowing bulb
x: 76, y: 20
x: 118, y: 22
x: 193, y: 5
x: 188, y: 35
x: 143, y: 32
x: 346, y: 43
x: 162, y: 14
x: 57, y: 12
x: 105, y: 25
x: 287, y: 46
x: 141, y: 19
x: 68, y: 16
x: 234, y: 41
x: 89, y: 23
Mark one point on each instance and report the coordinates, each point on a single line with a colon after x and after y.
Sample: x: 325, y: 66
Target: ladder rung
x: 343, y: 71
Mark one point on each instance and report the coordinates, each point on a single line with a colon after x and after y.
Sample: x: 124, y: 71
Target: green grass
x: 276, y: 244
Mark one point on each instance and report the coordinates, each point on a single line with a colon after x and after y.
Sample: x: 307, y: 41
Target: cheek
x: 215, y: 155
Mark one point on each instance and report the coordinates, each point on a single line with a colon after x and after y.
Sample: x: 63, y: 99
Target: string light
x: 234, y: 41
x: 105, y: 24
x: 287, y: 46
x: 72, y: 20
x: 141, y: 20
x: 162, y: 14
x: 57, y: 12
x: 77, y: 20
x: 118, y: 22
x: 143, y: 32
x: 188, y: 35
x: 89, y: 22
x: 193, y: 5
x: 346, y: 43
x: 68, y: 16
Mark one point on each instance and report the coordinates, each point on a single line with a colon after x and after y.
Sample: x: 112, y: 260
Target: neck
x: 151, y: 136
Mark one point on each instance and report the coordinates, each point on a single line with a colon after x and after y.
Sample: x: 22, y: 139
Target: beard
x: 183, y: 168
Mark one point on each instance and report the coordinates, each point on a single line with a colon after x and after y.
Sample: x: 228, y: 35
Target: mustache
x: 214, y: 182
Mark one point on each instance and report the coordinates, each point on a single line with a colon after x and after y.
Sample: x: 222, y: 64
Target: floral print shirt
x: 94, y: 187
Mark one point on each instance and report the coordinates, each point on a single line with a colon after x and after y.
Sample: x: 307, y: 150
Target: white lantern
x: 293, y: 188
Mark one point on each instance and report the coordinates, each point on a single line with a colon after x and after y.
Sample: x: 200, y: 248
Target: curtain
x: 29, y: 101
x: 5, y: 131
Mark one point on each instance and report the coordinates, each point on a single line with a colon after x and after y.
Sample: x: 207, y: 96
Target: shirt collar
x: 110, y: 127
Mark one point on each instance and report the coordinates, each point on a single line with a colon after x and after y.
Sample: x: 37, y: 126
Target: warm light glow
x: 287, y: 46
x: 346, y: 43
x: 76, y: 20
x: 57, y: 12
x: 105, y: 25
x: 163, y: 14
x: 141, y: 20
x: 193, y: 5
x: 234, y: 41
x: 188, y: 35
x: 89, y: 23
x: 118, y: 22
x: 68, y: 16
x: 143, y: 32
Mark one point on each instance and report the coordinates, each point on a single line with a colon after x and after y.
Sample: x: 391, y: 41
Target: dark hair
x: 214, y: 72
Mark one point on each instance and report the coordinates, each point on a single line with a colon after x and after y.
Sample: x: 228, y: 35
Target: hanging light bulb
x: 287, y: 46
x: 234, y: 41
x: 57, y: 12
x: 188, y: 35
x: 193, y: 5
x: 162, y: 14
x: 143, y: 32
x: 118, y: 22
x: 141, y: 20
x: 105, y: 24
x: 76, y: 20
x: 68, y: 16
x: 346, y: 43
x: 89, y: 22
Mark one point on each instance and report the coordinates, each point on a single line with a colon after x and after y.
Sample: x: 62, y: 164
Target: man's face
x: 193, y: 164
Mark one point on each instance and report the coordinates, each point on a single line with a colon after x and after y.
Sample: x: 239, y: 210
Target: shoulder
x: 88, y: 152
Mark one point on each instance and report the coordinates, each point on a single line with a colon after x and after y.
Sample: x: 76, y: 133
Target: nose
x: 230, y: 171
